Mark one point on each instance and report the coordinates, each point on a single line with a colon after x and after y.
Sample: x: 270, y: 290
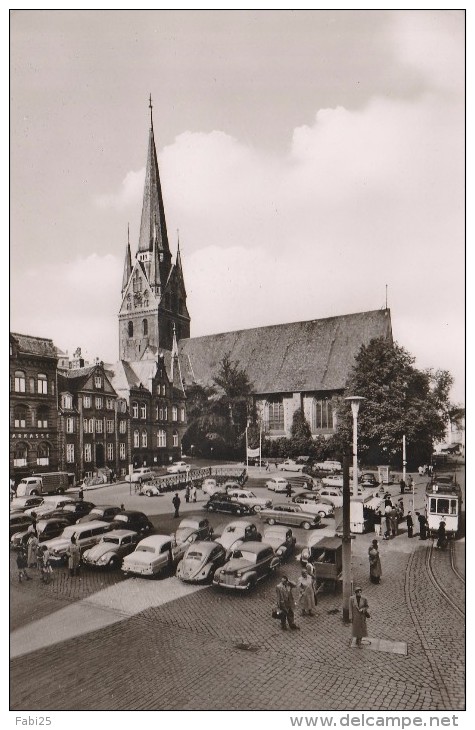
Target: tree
x: 300, y: 435
x: 235, y: 394
x: 399, y: 400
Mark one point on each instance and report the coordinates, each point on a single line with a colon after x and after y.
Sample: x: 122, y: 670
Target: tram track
x: 452, y: 562
x: 437, y: 583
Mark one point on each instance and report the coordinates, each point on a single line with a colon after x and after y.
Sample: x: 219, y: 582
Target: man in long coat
x: 74, y: 557
x: 286, y: 602
x: 358, y: 613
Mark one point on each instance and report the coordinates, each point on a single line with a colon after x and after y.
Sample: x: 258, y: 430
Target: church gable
x: 138, y: 294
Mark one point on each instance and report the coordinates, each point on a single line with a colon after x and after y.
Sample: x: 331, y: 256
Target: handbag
x: 367, y: 613
x: 277, y: 613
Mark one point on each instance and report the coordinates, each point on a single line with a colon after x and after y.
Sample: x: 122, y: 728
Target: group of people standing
x: 306, y: 599
x: 33, y: 555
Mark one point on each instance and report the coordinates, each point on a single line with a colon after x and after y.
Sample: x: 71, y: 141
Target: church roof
x: 35, y: 345
x: 75, y: 379
x: 153, y: 225
x: 315, y: 355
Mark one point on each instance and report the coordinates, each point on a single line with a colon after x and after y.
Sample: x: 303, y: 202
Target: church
x: 290, y: 366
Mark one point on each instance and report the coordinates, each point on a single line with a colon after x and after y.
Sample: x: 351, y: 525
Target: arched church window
x: 275, y: 414
x: 130, y: 327
x: 322, y: 414
x: 145, y: 327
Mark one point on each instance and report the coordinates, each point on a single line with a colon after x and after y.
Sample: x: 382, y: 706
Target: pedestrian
x: 81, y: 493
x: 176, y: 501
x: 422, y: 526
x: 12, y: 488
x: 375, y: 571
x: 267, y: 466
x: 430, y: 470
x: 387, y: 519
x: 187, y: 494
x: 410, y: 524
x: 22, y: 562
x: 393, y: 520
x: 441, y: 536
x: 409, y: 481
x: 377, y: 522
x: 74, y: 557
x: 193, y: 493
x: 306, y: 598
x: 359, y: 613
x: 286, y: 603
x: 310, y: 568
x: 421, y: 470
x: 275, y: 464
x: 122, y: 507
x: 45, y: 565
x: 33, y: 550
x: 288, y: 490
x: 402, y: 486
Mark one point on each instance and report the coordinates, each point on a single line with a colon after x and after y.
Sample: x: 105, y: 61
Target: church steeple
x: 153, y: 249
x: 127, y: 263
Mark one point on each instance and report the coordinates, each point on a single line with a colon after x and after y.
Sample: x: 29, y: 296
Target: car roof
x: 120, y: 533
x: 131, y: 513
x: 281, y: 529
x: 90, y: 525
x: 206, y: 546
x: 155, y: 540
x: 193, y: 524
x: 253, y: 546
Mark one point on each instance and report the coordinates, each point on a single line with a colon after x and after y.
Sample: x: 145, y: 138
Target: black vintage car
x: 132, y: 520
x: 72, y: 511
x: 19, y: 521
x: 104, y: 512
x: 224, y: 503
x: 46, y: 530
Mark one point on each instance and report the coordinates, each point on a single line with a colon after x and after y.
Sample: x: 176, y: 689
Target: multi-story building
x: 33, y: 406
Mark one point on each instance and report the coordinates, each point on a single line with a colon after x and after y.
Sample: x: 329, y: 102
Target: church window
x: 161, y: 438
x: 42, y: 384
x: 20, y: 417
x: 42, y: 417
x: 175, y: 438
x: 322, y: 414
x: 275, y: 410
x: 145, y: 327
x: 136, y: 439
x: 144, y: 439
x: 42, y: 458
x: 19, y: 381
x: 135, y: 409
x: 21, y: 455
x: 130, y: 328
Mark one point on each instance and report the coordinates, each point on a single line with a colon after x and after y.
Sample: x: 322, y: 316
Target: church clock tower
x: 153, y: 289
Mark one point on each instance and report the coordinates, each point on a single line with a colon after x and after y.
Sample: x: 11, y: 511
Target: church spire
x: 127, y: 262
x: 153, y: 227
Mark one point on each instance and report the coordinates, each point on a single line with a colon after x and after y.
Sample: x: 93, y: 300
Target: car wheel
x: 210, y: 508
x: 34, y: 493
x: 257, y: 508
x: 306, y: 525
x: 251, y: 584
x: 149, y: 493
x: 239, y: 512
x: 114, y: 563
x: 271, y: 521
x: 322, y: 514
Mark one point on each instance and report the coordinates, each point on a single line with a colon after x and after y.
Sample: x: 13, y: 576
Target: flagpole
x: 247, y: 455
x: 260, y: 446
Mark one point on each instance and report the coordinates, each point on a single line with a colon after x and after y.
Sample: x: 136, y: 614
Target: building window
x: 31, y: 385
x: 86, y: 401
x: 88, y: 425
x: 130, y: 328
x: 21, y: 455
x: 109, y: 404
x: 43, y: 455
x: 322, y: 414
x: 174, y: 413
x: 99, y: 425
x: 42, y: 384
x: 70, y: 425
x: 122, y: 426
x: 97, y: 381
x: 121, y: 406
x: 98, y: 402
x: 67, y: 402
x: 165, y: 414
x: 136, y: 439
x: 70, y: 453
x: 19, y: 381
x: 160, y: 414
x: 110, y: 426
x: 145, y: 327
x: 275, y: 410
x: 135, y: 410
x: 161, y: 438
x: 42, y: 417
x: 20, y: 417
x: 164, y: 390
x: 110, y: 452
x: 143, y: 411
x: 182, y: 414
x: 175, y: 438
x: 144, y: 439
x: 88, y: 452
x: 122, y: 451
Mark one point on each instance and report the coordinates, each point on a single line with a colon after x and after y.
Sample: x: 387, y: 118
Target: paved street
x: 114, y: 643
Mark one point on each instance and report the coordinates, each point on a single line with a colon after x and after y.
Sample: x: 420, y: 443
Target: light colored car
x: 281, y: 539
x: 236, y: 533
x: 332, y: 494
x: 290, y: 465
x: 50, y: 503
x: 178, y: 467
x: 313, y: 503
x: 86, y: 536
x: 111, y: 549
x: 210, y: 486
x: 45, y: 529
x: 329, y: 465
x: 250, y: 563
x: 333, y: 480
x: 290, y: 514
x: 247, y: 497
x: 153, y: 555
x: 277, y: 484
x: 139, y: 476
x: 151, y: 490
x: 20, y: 504
x: 190, y: 530
x: 200, y: 561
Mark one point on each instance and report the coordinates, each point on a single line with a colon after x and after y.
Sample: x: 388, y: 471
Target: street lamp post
x: 354, y: 401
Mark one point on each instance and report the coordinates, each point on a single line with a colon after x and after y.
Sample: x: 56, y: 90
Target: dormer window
x: 98, y: 381
x: 67, y: 402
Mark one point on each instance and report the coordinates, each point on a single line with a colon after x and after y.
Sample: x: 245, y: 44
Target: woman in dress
x: 306, y: 594
x: 358, y: 613
x: 375, y: 571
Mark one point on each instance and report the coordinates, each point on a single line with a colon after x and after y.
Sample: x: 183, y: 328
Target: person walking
x: 33, y: 550
x: 74, y: 557
x: 402, y: 486
x: 193, y: 493
x: 286, y: 603
x: 22, y: 562
x: 44, y: 564
x: 176, y: 501
x: 306, y: 589
x: 441, y: 536
x: 187, y: 493
x: 393, y: 521
x: 422, y: 526
x: 410, y: 524
x: 288, y: 490
x: 375, y: 571
x: 81, y: 493
x: 359, y: 613
x: 377, y: 522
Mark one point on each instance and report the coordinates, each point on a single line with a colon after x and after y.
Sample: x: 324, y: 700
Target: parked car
x: 333, y: 480
x: 250, y: 563
x: 154, y: 555
x: 45, y: 529
x: 19, y: 504
x: 247, y: 497
x: 230, y: 484
x: 290, y: 514
x: 190, y: 530
x: 152, y: 490
x: 19, y: 522
x: 224, y: 503
x: 314, y: 503
x: 178, y: 467
x: 332, y: 494
x: 236, y: 533
x: 328, y: 465
x: 139, y: 476
x: 200, y: 561
x: 282, y: 541
x: 72, y: 511
x: 210, y: 486
x: 255, y: 461
x: 111, y: 549
x: 49, y: 504
x: 86, y: 536
x: 290, y: 465
x: 104, y: 512
x: 132, y: 520
x: 368, y: 479
x: 277, y: 484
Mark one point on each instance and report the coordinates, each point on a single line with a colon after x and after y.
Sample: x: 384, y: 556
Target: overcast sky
x: 308, y: 160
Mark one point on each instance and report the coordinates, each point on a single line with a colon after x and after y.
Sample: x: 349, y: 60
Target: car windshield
x: 96, y: 511
x: 182, y: 533
x: 69, y: 531
x: 246, y: 555
x: 69, y: 508
x: 113, y: 540
x: 194, y: 555
x: 145, y: 549
x: 122, y: 518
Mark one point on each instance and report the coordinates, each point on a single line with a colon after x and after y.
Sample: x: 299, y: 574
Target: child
x: 21, y: 561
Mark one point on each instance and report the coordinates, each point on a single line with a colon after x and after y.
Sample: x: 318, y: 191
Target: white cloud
x: 129, y: 194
